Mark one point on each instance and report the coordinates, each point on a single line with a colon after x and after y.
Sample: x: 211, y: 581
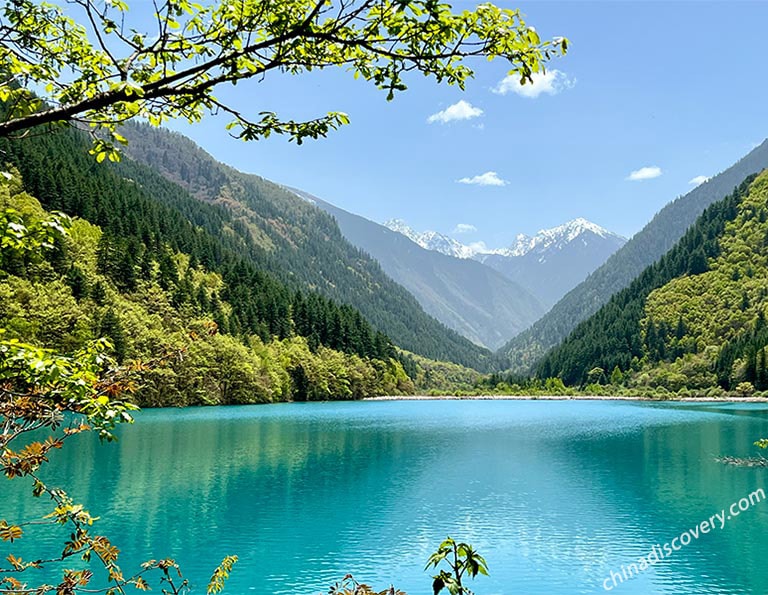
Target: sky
x: 651, y: 98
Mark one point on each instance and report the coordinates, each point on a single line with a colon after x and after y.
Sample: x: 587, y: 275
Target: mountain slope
x: 81, y: 290
x: 556, y: 260
x: 297, y: 242
x: 548, y: 265
x: 465, y: 295
x: 658, y: 236
x: 695, y: 317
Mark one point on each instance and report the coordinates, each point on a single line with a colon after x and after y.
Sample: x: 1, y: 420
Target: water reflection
x: 554, y: 494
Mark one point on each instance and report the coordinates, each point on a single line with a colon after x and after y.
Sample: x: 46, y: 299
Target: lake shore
x: 566, y: 398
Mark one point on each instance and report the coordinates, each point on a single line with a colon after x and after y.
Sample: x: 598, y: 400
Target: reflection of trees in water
x: 305, y: 493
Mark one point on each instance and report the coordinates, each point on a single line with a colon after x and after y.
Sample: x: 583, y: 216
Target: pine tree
x: 680, y: 330
x: 98, y: 293
x: 697, y: 262
x: 77, y: 282
x: 112, y: 329
x: 761, y: 374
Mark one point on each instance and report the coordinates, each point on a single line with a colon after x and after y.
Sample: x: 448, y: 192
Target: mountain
x: 463, y: 294
x: 554, y: 261
x: 694, y: 319
x: 295, y: 241
x: 433, y: 240
x: 149, y: 299
x: 277, y: 238
x: 558, y: 237
x: 643, y: 249
x: 548, y: 264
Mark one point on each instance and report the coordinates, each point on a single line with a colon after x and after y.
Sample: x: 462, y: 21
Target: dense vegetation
x: 61, y: 395
x: 695, y: 320
x: 299, y: 243
x: 275, y: 344
x: 642, y: 250
x: 267, y: 247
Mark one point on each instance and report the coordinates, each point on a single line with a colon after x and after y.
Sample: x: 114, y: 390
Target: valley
x: 382, y: 297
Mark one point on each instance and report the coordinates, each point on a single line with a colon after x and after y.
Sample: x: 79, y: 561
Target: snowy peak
x: 402, y: 227
x: 548, y: 264
x: 432, y: 240
x: 555, y: 238
x: 558, y: 237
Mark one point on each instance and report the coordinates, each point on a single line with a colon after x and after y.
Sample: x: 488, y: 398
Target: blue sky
x: 677, y: 86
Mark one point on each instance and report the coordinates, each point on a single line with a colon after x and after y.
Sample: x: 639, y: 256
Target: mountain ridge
x: 464, y: 294
x: 523, y: 243
x: 695, y: 319
x: 618, y: 271
x: 557, y: 236
x: 276, y: 235
x: 300, y: 244
x: 547, y: 265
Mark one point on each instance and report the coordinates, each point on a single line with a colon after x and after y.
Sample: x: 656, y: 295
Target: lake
x: 555, y: 495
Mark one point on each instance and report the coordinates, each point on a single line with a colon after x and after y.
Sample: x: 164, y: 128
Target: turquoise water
x: 556, y: 495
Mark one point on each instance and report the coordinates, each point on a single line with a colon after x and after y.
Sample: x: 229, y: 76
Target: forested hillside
x: 693, y: 320
x: 297, y: 242
x: 290, y: 247
x: 234, y: 337
x: 643, y: 249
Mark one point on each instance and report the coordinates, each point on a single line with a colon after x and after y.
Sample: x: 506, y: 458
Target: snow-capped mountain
x: 548, y: 264
x: 475, y: 300
x: 559, y: 237
x: 433, y: 240
x: 555, y: 238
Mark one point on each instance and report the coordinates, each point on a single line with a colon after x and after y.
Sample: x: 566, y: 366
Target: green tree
x: 761, y: 374
x: 77, y: 282
x: 40, y: 390
x: 596, y: 376
x: 101, y: 72
x: 697, y: 262
x: 112, y: 329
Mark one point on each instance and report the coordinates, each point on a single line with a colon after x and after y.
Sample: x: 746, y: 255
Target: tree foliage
x: 326, y: 351
x: 268, y: 244
x: 42, y: 390
x: 106, y: 68
x: 528, y: 348
x: 688, y: 323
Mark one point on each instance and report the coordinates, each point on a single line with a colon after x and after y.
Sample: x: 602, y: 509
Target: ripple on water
x: 554, y: 494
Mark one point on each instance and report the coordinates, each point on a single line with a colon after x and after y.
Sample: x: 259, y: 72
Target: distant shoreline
x: 567, y: 398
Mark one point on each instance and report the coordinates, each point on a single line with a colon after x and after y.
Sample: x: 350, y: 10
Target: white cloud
x: 489, y: 178
x: 645, y: 173
x: 461, y: 110
x: 464, y: 228
x: 550, y: 82
x: 698, y: 180
x: 478, y: 247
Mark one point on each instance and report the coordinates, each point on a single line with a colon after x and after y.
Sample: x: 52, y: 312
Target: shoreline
x: 566, y: 398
